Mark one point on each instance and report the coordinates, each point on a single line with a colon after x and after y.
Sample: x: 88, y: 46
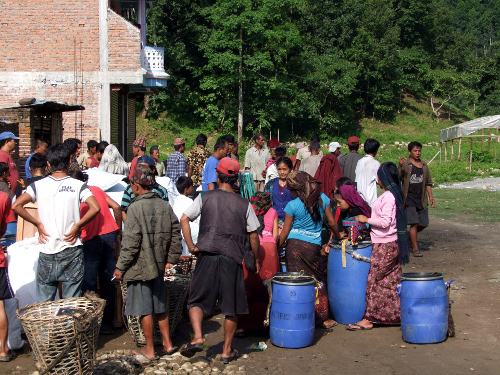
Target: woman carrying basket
x: 302, y: 231
x: 390, y: 250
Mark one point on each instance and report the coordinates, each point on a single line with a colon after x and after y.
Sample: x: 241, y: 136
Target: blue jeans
x: 65, y: 266
x: 100, y: 260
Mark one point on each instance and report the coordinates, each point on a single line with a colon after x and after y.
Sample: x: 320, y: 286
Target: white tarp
x: 469, y: 127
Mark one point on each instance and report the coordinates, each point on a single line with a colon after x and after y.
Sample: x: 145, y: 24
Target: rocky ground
x: 492, y: 184
x: 466, y: 252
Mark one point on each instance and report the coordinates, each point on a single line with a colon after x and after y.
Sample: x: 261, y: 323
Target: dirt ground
x: 466, y: 252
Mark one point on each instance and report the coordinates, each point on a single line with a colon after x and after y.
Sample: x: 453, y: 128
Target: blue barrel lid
x: 421, y: 276
x: 337, y: 244
x: 293, y: 278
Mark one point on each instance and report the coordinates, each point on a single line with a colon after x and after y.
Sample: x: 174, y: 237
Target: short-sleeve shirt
x: 176, y: 166
x: 197, y: 158
x: 267, y: 232
x: 194, y: 211
x: 304, y: 228
x: 13, y: 173
x: 414, y: 197
x: 5, y: 207
x: 59, y: 208
x: 104, y: 222
x: 255, y: 161
x: 209, y: 175
x: 305, y: 153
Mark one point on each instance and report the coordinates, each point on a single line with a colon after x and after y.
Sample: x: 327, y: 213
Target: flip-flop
x: 190, y: 350
x: 170, y: 352
x: 9, y: 357
x: 144, y: 358
x: 417, y: 253
x: 329, y: 325
x: 360, y: 328
x: 228, y: 360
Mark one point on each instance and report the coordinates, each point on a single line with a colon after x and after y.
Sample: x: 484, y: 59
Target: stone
x: 175, y: 366
x: 200, y: 364
x: 187, y: 367
x: 230, y: 368
x: 196, y: 373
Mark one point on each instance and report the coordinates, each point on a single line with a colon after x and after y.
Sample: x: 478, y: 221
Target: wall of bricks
x: 124, y: 43
x: 43, y: 35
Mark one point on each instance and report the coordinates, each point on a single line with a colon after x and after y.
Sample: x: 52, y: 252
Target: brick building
x: 81, y: 53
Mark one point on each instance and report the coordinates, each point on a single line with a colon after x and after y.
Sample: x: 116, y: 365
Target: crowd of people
x: 300, y: 204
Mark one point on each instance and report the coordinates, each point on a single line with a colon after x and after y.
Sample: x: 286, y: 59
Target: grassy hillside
x: 414, y: 123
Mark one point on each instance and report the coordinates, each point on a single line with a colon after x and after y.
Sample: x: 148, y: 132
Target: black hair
x: 221, y: 143
x: 58, y: 157
x: 178, y: 147
x: 101, y: 147
x: 79, y: 175
x: 229, y: 138
x: 258, y: 136
x: 40, y: 142
x: 4, y: 141
x: 72, y: 145
x: 371, y: 146
x: 353, y: 147
x: 38, y: 161
x: 280, y: 151
x: 414, y: 144
x: 183, y: 183
x: 153, y: 148
x: 315, y: 138
x: 4, y: 167
x: 342, y: 181
x: 314, y: 146
x: 394, y: 172
x: 225, y: 179
x: 337, y: 192
x: 284, y: 160
x: 201, y: 139
x: 91, y: 144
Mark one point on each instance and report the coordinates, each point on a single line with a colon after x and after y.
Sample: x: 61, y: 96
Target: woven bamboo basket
x: 176, y: 291
x: 65, y: 343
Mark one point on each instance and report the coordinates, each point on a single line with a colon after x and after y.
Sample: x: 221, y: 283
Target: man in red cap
x: 228, y: 234
x: 176, y: 163
x: 138, y: 149
x: 349, y: 162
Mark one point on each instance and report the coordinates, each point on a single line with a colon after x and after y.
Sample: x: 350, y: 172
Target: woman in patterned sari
x: 390, y: 251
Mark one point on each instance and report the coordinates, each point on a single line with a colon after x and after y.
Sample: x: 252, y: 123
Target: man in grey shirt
x: 311, y: 163
x: 256, y: 159
x: 349, y: 162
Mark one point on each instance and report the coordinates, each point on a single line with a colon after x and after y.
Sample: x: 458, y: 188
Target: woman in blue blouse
x: 280, y: 195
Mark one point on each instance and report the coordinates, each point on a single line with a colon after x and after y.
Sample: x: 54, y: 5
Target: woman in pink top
x: 390, y: 250
x: 268, y: 258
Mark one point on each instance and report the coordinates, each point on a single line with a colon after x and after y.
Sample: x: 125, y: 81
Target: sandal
x: 143, y: 358
x: 228, y: 360
x: 358, y: 327
x: 8, y: 358
x: 328, y: 326
x: 190, y: 350
x: 170, y: 352
x: 417, y: 253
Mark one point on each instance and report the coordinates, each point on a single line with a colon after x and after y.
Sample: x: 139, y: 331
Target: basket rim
x: 21, y: 313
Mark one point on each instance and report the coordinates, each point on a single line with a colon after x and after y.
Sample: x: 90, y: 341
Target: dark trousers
x: 100, y: 259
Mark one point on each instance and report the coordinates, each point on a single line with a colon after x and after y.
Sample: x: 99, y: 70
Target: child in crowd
x: 182, y: 202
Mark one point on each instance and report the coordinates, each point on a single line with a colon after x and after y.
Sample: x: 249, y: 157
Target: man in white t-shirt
x: 366, y: 172
x: 58, y: 197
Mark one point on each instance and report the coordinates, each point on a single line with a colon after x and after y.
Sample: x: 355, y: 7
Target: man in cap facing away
x: 139, y: 149
x: 176, y: 163
x: 228, y: 234
x: 7, y: 145
x: 349, y: 161
x: 151, y: 244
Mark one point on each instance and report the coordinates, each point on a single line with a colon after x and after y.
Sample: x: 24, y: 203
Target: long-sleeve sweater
x: 383, y: 220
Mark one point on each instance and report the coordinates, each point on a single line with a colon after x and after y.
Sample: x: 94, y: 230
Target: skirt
x: 382, y: 303
x: 306, y: 256
x: 257, y: 295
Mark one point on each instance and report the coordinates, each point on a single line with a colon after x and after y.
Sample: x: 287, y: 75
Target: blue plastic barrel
x: 347, y: 286
x: 291, y: 319
x: 424, y: 308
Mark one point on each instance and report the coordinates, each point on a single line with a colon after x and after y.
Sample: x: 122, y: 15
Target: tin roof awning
x: 49, y: 106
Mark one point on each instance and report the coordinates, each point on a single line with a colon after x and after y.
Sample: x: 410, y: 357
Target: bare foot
x: 198, y: 341
x: 143, y: 352
x: 329, y: 323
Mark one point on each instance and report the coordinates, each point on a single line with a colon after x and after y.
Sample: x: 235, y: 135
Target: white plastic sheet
x: 469, y: 127
x: 102, y: 179
x: 168, y: 184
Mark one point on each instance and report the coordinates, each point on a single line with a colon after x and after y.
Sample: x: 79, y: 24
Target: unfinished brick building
x: 76, y: 53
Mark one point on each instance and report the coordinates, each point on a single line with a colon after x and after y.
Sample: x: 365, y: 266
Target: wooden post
x: 451, y: 150
x: 440, y: 152
x: 459, y: 148
x: 470, y: 163
x: 445, y: 151
x: 471, y: 143
x: 496, y: 145
x: 489, y: 138
x: 482, y: 140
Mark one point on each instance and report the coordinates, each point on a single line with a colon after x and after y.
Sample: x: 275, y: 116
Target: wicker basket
x: 66, y: 343
x: 176, y: 291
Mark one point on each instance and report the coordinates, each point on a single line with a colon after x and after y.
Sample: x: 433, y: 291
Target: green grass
x: 466, y: 205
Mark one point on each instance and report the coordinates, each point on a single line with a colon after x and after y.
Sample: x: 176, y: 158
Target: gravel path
x: 492, y: 184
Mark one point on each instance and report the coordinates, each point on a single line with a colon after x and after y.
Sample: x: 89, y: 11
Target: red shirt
x: 5, y: 204
x: 14, y: 174
x: 104, y: 222
x: 94, y: 163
